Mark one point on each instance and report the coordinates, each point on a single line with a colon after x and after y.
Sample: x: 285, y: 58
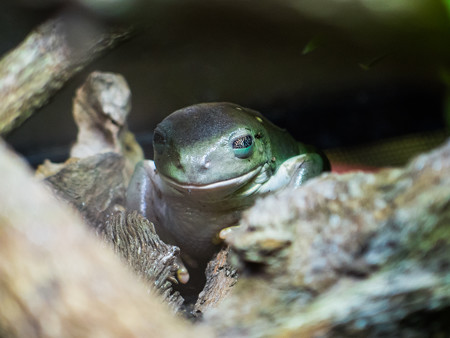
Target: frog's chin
x: 225, y: 187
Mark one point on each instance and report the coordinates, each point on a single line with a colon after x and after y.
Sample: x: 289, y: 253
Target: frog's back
x: 284, y: 146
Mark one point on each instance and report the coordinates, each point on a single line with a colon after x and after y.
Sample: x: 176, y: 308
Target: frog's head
x: 211, y: 146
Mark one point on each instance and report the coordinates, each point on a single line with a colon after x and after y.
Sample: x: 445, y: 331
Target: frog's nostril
x: 159, y: 141
x: 206, y: 164
x: 158, y: 137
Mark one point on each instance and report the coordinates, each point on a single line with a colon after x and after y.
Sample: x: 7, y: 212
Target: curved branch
x: 44, y: 62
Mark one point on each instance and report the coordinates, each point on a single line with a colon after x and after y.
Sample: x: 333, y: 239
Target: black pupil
x: 242, y: 142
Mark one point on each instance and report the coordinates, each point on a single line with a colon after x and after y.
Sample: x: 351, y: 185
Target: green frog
x: 211, y: 161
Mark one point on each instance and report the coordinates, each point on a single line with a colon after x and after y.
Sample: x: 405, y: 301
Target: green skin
x: 211, y: 162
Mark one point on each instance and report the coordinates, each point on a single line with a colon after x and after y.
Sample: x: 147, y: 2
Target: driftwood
x: 220, y: 279
x: 100, y: 109
x: 58, y: 280
x: 94, y: 185
x: 352, y: 255
x: 44, y: 61
x: 346, y: 255
x: 134, y: 238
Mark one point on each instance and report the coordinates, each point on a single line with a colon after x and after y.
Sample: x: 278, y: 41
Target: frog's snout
x: 165, y: 156
x: 191, y: 169
x: 194, y: 167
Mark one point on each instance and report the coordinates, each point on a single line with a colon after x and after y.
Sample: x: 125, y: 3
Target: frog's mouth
x: 224, y: 187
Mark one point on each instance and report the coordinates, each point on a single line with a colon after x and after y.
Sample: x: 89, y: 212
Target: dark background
x: 376, y: 70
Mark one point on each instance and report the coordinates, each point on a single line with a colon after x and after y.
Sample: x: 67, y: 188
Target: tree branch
x: 44, y: 62
x: 57, y: 279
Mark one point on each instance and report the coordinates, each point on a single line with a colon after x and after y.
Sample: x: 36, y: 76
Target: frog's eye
x: 243, y: 146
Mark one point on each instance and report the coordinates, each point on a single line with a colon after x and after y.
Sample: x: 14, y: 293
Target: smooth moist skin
x: 211, y: 161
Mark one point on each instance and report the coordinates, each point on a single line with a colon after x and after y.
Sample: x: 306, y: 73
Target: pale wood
x: 354, y: 255
x: 58, y: 280
x: 48, y: 57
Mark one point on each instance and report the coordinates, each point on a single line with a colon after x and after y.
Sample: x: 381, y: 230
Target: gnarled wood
x: 220, y: 279
x: 94, y: 185
x: 100, y: 109
x: 50, y: 55
x: 134, y: 238
x: 57, y: 279
x: 346, y: 255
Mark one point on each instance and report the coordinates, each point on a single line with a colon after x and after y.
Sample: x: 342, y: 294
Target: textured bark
x: 94, y: 185
x: 346, y: 255
x: 100, y: 110
x: 57, y: 279
x: 44, y: 61
x: 220, y: 279
x: 134, y: 238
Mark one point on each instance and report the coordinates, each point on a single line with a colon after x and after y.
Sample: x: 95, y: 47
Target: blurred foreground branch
x: 45, y: 61
x: 354, y: 255
x: 56, y: 279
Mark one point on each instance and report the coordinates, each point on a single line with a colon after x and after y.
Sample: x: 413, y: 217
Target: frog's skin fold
x: 211, y: 161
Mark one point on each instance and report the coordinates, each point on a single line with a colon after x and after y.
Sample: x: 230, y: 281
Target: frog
x: 211, y: 162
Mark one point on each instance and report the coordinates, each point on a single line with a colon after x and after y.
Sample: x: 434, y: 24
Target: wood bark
x: 344, y: 255
x: 100, y: 109
x: 49, y: 56
x: 134, y: 238
x: 359, y: 255
x: 221, y: 277
x: 57, y: 279
x: 94, y: 185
